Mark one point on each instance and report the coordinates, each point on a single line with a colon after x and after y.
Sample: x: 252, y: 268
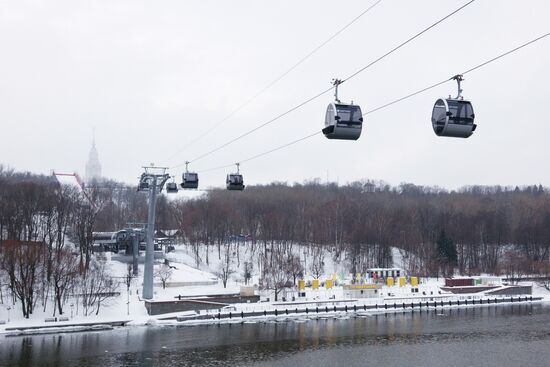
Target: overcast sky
x: 152, y: 76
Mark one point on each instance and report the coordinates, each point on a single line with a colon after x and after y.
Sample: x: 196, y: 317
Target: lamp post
x: 8, y: 308
x: 72, y: 306
x: 128, y: 280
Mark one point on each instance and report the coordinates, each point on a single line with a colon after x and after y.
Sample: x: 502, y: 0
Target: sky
x: 152, y: 76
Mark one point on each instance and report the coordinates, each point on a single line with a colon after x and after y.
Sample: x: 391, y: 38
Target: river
x: 512, y: 335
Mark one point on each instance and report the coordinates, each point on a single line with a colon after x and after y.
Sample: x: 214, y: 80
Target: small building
x: 459, y: 282
x: 490, y: 280
x: 167, y: 238
x: 361, y: 290
x: 105, y: 241
x: 122, y: 241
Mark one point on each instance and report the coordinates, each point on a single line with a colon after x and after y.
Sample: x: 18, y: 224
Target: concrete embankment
x: 62, y: 328
x: 315, y: 311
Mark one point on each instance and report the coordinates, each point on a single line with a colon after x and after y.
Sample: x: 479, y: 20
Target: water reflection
x: 389, y: 339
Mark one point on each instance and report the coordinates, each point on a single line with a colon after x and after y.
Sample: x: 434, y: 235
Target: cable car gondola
x: 190, y: 180
x: 342, y: 121
x: 143, y: 186
x: 453, y: 117
x: 172, y: 187
x: 143, y: 183
x: 234, y: 181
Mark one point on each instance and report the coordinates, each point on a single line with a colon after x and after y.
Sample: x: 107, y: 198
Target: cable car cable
x: 275, y: 81
x: 281, y: 147
x: 216, y: 168
x: 265, y: 153
x: 256, y: 128
x: 407, y: 41
x: 506, y: 53
x: 388, y: 104
x: 463, y: 73
x: 327, y: 90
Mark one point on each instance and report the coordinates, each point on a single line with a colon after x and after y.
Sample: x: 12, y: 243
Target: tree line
x: 437, y: 232
x: 46, y: 245
x: 473, y: 230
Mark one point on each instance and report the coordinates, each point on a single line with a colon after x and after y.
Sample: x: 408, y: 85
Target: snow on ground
x: 184, y: 255
x: 184, y: 281
x: 129, y: 305
x: 538, y: 290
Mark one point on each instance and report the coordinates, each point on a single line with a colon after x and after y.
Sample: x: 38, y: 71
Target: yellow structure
x: 334, y: 277
x: 328, y: 284
x: 414, y: 281
x: 301, y: 284
x: 402, y: 281
x: 315, y: 284
x: 390, y: 282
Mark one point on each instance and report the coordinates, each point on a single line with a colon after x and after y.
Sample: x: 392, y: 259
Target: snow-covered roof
x: 70, y: 179
x: 67, y: 180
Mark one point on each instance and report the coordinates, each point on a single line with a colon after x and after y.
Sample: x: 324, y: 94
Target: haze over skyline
x: 152, y: 77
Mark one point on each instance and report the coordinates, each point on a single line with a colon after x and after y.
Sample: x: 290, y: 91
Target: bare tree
x: 22, y: 263
x: 3, y: 281
x: 84, y: 225
x: 317, y: 265
x: 225, y: 268
x: 87, y: 210
x: 96, y: 286
x: 295, y: 268
x: 65, y: 271
x: 276, y: 274
x: 163, y: 272
x: 515, y: 266
x: 248, y: 268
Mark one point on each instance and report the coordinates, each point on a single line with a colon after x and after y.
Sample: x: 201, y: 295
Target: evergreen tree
x: 446, y: 249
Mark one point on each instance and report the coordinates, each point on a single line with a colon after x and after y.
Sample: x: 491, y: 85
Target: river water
x: 512, y: 335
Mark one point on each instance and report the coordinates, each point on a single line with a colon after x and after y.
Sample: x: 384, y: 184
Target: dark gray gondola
x: 342, y: 121
x: 190, y: 180
x: 172, y: 188
x: 234, y: 181
x: 143, y: 186
x: 453, y: 117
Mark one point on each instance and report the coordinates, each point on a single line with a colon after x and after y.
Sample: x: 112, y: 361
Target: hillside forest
x: 475, y: 229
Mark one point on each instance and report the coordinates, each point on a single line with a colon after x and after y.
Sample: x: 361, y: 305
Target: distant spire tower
x: 93, y: 167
